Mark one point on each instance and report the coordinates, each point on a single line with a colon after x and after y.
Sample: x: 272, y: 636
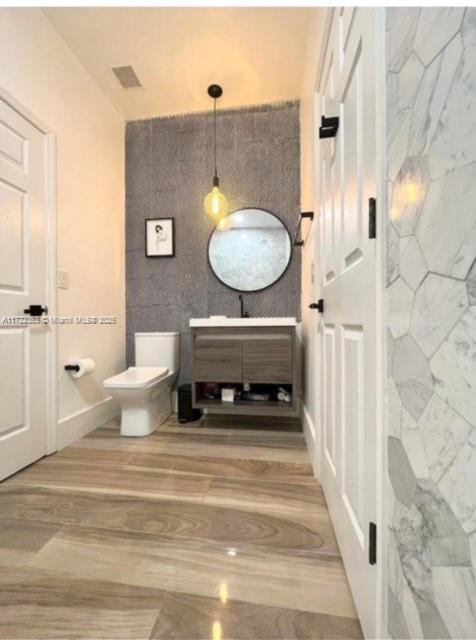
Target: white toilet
x: 145, y: 391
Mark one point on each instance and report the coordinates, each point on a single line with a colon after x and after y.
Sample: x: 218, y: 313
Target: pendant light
x: 215, y: 203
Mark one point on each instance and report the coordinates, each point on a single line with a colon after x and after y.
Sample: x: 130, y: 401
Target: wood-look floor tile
x: 226, y: 467
x: 20, y: 540
x: 190, y: 566
x: 37, y: 604
x: 184, y: 616
x: 233, y: 528
x: 180, y: 445
x: 225, y: 430
x: 243, y: 423
x: 266, y: 495
x: 100, y: 457
x: 93, y: 477
x: 222, y: 509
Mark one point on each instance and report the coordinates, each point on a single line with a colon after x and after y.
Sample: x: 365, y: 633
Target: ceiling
x: 256, y: 54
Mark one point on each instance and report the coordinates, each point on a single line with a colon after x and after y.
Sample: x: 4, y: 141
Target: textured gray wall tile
x: 169, y: 166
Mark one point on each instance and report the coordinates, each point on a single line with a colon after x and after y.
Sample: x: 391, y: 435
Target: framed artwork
x: 159, y: 238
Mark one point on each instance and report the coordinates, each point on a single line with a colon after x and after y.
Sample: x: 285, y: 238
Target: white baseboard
x: 79, y: 424
x: 310, y: 437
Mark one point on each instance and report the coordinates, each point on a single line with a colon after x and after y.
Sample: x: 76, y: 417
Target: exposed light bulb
x: 216, y: 205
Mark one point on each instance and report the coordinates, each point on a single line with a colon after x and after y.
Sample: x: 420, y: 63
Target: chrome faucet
x: 244, y: 314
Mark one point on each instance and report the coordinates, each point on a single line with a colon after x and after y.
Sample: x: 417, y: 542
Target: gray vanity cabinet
x: 242, y: 355
x: 268, y: 359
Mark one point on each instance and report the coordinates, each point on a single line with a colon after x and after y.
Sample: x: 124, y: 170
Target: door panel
x: 13, y: 348
x: 23, y: 374
x: 12, y: 145
x: 351, y: 136
x: 329, y: 395
x: 12, y: 216
x: 349, y: 287
x: 352, y: 427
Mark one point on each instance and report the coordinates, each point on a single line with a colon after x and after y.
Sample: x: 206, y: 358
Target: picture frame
x: 159, y: 238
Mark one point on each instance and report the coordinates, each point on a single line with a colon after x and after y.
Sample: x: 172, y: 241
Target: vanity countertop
x: 243, y: 322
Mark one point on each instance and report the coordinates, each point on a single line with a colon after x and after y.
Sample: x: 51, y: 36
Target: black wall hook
x: 305, y: 214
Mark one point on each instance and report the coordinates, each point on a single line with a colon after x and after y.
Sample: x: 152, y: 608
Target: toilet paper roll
x: 86, y: 366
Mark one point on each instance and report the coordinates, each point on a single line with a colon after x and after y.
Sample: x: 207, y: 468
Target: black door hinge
x: 372, y: 218
x: 372, y: 543
x: 319, y: 305
x: 329, y: 126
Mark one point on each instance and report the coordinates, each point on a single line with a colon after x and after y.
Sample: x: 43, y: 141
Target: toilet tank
x: 158, y: 349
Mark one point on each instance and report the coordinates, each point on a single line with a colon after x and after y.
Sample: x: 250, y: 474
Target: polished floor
x: 212, y: 530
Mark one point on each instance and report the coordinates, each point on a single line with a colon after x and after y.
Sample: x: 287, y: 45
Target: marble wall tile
x: 454, y: 145
x: 439, y: 304
x: 443, y: 434
x: 393, y: 262
x: 442, y: 534
x: 458, y: 484
x: 411, y: 373
x: 400, y: 303
x: 408, y: 195
x: 408, y: 81
x: 432, y: 96
x: 411, y: 263
x: 398, y: 143
x: 401, y: 37
x: 432, y: 441
x: 471, y: 284
x: 449, y: 199
x: 453, y: 367
x: 436, y: 27
x: 397, y: 624
x: 392, y: 97
x: 455, y: 596
x: 400, y: 471
x: 414, y: 553
x: 410, y: 612
x: 394, y: 410
x: 411, y: 441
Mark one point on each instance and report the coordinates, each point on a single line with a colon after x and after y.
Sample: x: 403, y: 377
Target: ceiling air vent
x: 126, y: 76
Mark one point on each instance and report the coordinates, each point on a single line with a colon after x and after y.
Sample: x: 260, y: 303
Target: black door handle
x: 36, y: 310
x: 319, y: 305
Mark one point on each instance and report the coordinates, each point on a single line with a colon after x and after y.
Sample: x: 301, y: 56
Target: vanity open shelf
x: 264, y: 357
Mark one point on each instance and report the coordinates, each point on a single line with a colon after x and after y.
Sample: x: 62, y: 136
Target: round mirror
x: 250, y: 251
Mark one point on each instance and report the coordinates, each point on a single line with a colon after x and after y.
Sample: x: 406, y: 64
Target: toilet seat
x: 136, y: 378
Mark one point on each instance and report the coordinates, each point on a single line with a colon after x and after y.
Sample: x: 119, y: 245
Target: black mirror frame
x: 268, y: 285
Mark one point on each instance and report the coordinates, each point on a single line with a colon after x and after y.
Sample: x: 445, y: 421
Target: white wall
x: 42, y: 74
x: 310, y: 264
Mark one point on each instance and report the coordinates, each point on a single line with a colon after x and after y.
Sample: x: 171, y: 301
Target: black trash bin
x: 185, y: 411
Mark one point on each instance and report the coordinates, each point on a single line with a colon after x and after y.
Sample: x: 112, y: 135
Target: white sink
x: 243, y: 322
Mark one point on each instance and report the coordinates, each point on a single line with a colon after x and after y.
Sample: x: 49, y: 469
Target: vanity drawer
x: 217, y: 359
x: 268, y: 359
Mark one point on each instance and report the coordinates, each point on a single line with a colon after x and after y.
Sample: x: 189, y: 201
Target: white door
x: 349, y: 285
x: 23, y: 428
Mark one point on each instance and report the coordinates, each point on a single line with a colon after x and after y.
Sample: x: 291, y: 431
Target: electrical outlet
x: 63, y: 279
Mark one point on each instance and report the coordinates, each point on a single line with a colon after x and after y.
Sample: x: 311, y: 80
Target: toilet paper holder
x: 71, y: 367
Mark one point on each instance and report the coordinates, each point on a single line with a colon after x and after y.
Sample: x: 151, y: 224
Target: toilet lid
x: 136, y: 377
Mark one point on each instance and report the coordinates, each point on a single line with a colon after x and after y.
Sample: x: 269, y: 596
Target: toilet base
x: 144, y: 419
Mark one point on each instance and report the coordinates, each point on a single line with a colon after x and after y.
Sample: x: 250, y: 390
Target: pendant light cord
x: 215, y: 132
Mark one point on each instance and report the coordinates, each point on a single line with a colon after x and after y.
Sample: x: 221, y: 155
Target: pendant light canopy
x: 215, y: 203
